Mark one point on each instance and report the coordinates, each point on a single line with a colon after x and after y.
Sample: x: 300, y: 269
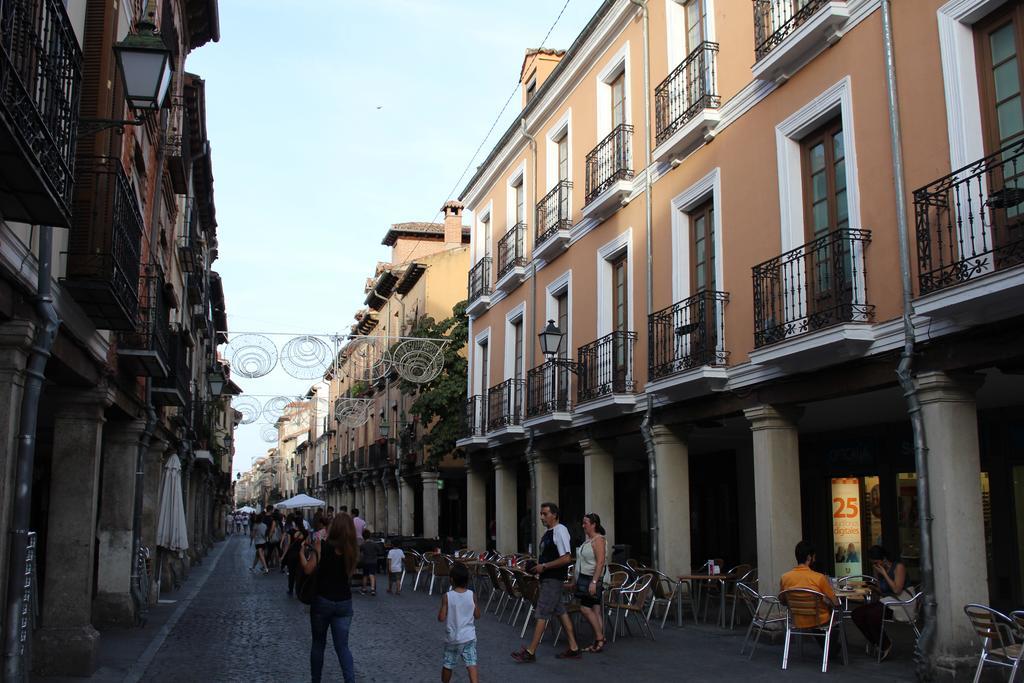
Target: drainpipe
x: 647, y: 423
x: 923, y: 649
x: 35, y: 369
x: 532, y: 320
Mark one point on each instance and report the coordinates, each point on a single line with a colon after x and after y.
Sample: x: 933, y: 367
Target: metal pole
x: 923, y: 650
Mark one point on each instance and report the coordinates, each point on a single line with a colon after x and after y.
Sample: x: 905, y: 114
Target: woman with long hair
x: 333, y: 560
x: 590, y: 569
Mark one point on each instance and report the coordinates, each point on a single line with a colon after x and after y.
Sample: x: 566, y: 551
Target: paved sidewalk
x: 243, y: 627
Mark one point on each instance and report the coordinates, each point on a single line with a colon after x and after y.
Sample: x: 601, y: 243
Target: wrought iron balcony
x: 475, y: 416
x: 144, y: 352
x: 817, y: 285
x: 970, y: 223
x: 177, y: 144
x: 505, y: 404
x: 40, y: 86
x: 335, y: 469
x: 685, y: 92
x: 606, y: 367
x: 776, y: 19
x: 104, y: 244
x: 547, y: 389
x: 302, y: 485
x: 189, y: 254
x: 553, y: 213
x: 323, y: 473
x: 687, y: 335
x: 480, y: 279
x: 176, y: 388
x: 610, y: 161
x: 511, y: 250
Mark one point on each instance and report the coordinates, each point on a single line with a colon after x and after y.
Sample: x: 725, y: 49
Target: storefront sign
x: 846, y: 535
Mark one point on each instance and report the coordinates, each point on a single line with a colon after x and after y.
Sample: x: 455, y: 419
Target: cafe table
x: 695, y: 580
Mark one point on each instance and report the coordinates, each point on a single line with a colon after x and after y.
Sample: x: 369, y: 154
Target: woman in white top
x: 590, y: 571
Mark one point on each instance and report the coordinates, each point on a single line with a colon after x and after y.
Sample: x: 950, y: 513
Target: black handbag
x: 307, y: 586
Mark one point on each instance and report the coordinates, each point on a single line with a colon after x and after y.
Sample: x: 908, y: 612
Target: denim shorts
x: 465, y: 650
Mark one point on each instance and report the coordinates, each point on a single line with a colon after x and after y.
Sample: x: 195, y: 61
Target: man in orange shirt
x: 802, y: 576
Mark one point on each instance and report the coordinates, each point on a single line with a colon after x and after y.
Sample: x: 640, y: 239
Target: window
x: 531, y: 88
x: 702, y: 248
x: 484, y: 363
x: 695, y: 24
x: 618, y: 88
x: 486, y: 225
x: 562, y: 320
x: 824, y: 171
x: 517, y: 354
x: 620, y: 294
x: 520, y: 207
x: 563, y: 157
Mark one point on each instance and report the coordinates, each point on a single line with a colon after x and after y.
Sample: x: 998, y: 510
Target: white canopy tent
x: 246, y: 509
x: 300, y: 501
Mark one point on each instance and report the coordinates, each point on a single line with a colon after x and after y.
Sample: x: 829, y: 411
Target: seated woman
x: 892, y: 580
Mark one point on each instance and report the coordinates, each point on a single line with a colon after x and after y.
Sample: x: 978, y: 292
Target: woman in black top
x: 892, y: 580
x: 333, y: 560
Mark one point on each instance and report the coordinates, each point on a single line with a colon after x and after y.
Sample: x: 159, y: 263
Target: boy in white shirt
x: 396, y: 559
x: 459, y: 611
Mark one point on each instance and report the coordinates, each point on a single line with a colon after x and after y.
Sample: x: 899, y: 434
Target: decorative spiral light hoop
x: 352, y: 412
x: 306, y: 357
x: 269, y: 433
x: 248, y: 406
x: 274, y: 408
x: 418, y: 360
x: 368, y: 361
x: 251, y: 355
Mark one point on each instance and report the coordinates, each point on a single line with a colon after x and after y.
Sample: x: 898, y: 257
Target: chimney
x: 452, y: 223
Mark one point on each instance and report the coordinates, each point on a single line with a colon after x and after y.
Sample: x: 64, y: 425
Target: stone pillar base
x: 113, y: 609
x: 66, y: 651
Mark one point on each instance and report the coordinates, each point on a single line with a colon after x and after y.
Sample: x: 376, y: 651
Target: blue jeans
x: 337, y: 615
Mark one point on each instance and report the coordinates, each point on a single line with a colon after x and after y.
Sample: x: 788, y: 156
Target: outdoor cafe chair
x: 845, y: 581
x: 664, y: 593
x: 529, y: 587
x: 900, y: 612
x: 630, y: 602
x: 720, y: 589
x: 998, y: 646
x: 766, y: 614
x: 500, y: 587
x: 803, y: 602
x: 732, y: 591
x: 491, y: 569
x: 1018, y: 621
x: 440, y: 565
x: 516, y: 582
x: 419, y: 563
x: 512, y: 595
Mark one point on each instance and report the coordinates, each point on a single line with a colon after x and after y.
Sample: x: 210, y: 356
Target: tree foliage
x: 442, y: 401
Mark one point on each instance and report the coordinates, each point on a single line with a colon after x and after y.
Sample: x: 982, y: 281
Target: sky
x: 329, y: 121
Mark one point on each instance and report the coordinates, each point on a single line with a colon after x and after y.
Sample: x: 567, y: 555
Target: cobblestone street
x: 240, y: 626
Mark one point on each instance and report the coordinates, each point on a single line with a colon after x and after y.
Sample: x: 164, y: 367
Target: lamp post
x: 215, y: 381
x: 551, y: 340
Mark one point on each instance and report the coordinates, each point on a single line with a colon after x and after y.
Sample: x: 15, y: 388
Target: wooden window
x: 619, y: 100
x: 562, y: 313
x: 531, y: 89
x: 517, y: 360
x: 695, y: 23
x: 563, y: 157
x: 485, y: 348
x: 824, y: 171
x: 620, y: 294
x: 998, y: 44
x: 702, y: 248
x: 519, y: 199
x: 487, y: 235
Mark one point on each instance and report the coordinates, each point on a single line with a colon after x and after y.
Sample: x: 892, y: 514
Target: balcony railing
x: 475, y: 416
x: 104, y: 244
x: 480, y: 279
x: 610, y: 161
x: 335, y: 469
x: 188, y: 251
x: 144, y: 351
x: 816, y: 285
x: 40, y: 86
x: 505, y: 404
x: 689, y: 89
x: 547, y: 390
x: 553, y: 212
x: 176, y: 388
x: 606, y: 366
x: 971, y: 222
x: 511, y: 252
x: 687, y: 335
x: 776, y: 19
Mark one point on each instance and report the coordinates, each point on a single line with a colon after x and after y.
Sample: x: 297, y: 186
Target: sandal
x: 596, y: 648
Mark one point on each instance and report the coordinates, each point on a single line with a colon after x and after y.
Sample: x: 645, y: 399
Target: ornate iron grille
x: 688, y: 334
x: 816, y: 285
x: 40, y: 84
x: 553, y: 212
x: 776, y: 19
x: 547, y: 389
x: 323, y: 473
x: 475, y: 416
x: 188, y: 253
x: 689, y: 89
x: 480, y: 279
x: 610, y: 161
x: 152, y: 331
x: 510, y: 250
x: 971, y: 222
x: 505, y: 404
x: 335, y: 469
x: 606, y: 366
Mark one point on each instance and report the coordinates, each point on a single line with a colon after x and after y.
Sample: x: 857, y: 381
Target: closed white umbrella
x: 170, y: 527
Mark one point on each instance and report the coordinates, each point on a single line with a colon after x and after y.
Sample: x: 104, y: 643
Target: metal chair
x: 440, y: 565
x: 627, y: 602
x: 664, y: 593
x: 719, y: 589
x: 1018, y: 620
x: 529, y: 587
x: 766, y: 614
x: 809, y: 604
x: 998, y: 646
x: 419, y: 563
x: 845, y: 581
x: 908, y: 608
x: 732, y: 592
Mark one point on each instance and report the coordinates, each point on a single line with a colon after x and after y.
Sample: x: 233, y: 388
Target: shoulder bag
x: 307, y: 588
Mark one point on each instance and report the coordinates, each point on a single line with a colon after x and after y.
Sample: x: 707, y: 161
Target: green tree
x: 444, y: 398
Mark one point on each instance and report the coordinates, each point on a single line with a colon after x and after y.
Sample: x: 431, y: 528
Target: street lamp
x: 215, y: 379
x: 385, y: 429
x: 551, y: 340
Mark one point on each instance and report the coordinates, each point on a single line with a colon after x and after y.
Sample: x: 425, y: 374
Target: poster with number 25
x: 846, y: 525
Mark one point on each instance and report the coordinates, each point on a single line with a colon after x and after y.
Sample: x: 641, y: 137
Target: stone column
x: 394, y: 523
x: 476, y: 507
x: 408, y: 508
x: 506, y: 510
x: 113, y: 604
x: 545, y: 489
x: 954, y: 486
x: 672, y: 456
x: 381, y: 511
x: 370, y: 502
x: 67, y: 643
x: 15, y: 342
x: 430, y: 506
x: 776, y: 490
x: 599, y: 484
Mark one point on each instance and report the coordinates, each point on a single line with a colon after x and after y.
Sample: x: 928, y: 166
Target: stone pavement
x: 231, y: 625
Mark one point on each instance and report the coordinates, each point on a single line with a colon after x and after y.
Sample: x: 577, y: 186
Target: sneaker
x: 523, y: 656
x: 266, y: 571
x: 885, y: 652
x: 252, y: 569
x: 570, y: 654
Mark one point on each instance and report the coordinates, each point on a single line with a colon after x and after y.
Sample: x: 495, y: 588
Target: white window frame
x: 607, y: 253
x: 553, y: 135
x: 675, y: 27
x: 560, y: 285
x: 618, y: 64
x: 485, y: 216
x: 484, y: 337
x: 516, y: 315
x: 710, y: 186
